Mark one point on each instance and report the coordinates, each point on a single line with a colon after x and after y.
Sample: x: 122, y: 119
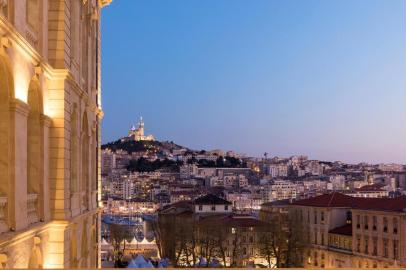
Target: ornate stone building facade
x: 49, y: 133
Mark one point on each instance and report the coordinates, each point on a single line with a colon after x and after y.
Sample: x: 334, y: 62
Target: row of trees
x: 185, y: 240
x: 221, y: 162
x: 144, y: 165
x: 118, y: 234
x: 133, y: 146
x: 284, y: 242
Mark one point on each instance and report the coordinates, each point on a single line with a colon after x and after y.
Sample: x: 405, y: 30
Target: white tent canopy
x: 104, y: 242
x: 140, y: 262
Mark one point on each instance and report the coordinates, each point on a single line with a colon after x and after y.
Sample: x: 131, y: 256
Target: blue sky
x: 321, y: 78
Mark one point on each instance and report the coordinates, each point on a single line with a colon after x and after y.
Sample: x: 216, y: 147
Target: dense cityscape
x: 164, y: 205
x: 320, y: 78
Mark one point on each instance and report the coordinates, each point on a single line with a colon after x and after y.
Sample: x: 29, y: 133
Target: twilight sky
x: 321, y: 78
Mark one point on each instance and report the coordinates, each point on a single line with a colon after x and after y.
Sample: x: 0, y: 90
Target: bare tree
x: 118, y: 234
x: 282, y: 243
x: 235, y: 247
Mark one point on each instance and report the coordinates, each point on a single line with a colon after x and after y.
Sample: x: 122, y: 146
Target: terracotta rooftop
x: 374, y: 187
x: 340, y: 200
x: 343, y: 230
x: 211, y: 199
x: 277, y: 203
x: 328, y: 200
x: 234, y: 221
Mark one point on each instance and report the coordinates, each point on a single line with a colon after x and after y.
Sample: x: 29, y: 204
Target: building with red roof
x: 353, y: 232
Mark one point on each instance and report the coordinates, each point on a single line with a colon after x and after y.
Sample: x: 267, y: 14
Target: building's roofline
x: 339, y: 200
x: 343, y: 230
x: 212, y: 200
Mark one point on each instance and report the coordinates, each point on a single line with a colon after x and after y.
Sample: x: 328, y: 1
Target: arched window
x: 73, y: 247
x: 35, y: 153
x: 74, y: 28
x: 93, y: 169
x: 84, y: 31
x: 349, y: 217
x: 74, y: 150
x: 385, y: 225
x: 84, y: 246
x: 395, y: 225
x: 6, y: 94
x: 85, y: 163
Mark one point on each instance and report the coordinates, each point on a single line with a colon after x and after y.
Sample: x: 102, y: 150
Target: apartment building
x: 351, y: 232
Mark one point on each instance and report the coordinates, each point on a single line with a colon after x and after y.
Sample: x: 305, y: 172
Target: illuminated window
x: 366, y: 221
x: 395, y: 225
x: 374, y: 223
x: 349, y: 217
x: 385, y: 248
x: 366, y: 245
x: 375, y: 246
x: 315, y: 217
x: 395, y: 249
x: 385, y: 225
x: 315, y: 237
x: 358, y: 243
x: 315, y: 259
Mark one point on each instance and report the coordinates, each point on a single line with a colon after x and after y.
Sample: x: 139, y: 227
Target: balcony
x: 3, y: 223
x: 32, y: 208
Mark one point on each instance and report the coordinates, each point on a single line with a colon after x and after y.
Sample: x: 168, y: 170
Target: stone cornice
x: 99, y: 113
x: 19, y: 106
x: 13, y: 238
x: 65, y: 74
x: 84, y: 215
x: 104, y: 3
x: 46, y: 120
x: 14, y: 37
x: 17, y: 38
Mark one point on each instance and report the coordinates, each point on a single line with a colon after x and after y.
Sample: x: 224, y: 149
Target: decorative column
x: 17, y: 195
x: 44, y: 209
x: 59, y: 163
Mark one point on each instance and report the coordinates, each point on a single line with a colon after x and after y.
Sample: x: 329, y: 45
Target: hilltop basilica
x: 137, y: 134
